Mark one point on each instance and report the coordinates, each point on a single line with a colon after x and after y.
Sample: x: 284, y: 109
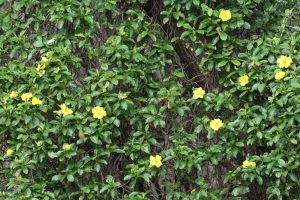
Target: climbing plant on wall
x: 149, y: 99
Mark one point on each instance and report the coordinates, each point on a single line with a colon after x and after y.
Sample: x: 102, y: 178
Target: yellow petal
x: 225, y: 15
x: 198, y: 93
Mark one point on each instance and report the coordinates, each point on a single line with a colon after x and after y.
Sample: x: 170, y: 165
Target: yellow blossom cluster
x: 279, y: 75
x: 198, y: 93
x: 155, y: 161
x: 40, y: 143
x: 14, y: 94
x: 41, y: 67
x: 225, y: 15
x: 36, y: 101
x: 99, y: 112
x: 244, y: 80
x: 283, y: 62
x: 216, y: 124
x: 122, y: 95
x: 247, y: 163
x: 67, y: 147
x: 9, y: 152
x: 65, y: 110
x: 26, y: 97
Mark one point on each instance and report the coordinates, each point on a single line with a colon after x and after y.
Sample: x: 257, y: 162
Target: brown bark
x: 188, y: 60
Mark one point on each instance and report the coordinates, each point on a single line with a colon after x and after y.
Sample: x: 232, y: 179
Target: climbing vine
x: 156, y: 99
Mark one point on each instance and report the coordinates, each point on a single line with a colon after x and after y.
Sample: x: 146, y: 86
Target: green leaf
x: 223, y: 36
x: 55, y: 177
x: 210, y: 11
x: 127, y: 177
x: 240, y: 190
x: 124, y: 105
x: 239, y: 144
x: 222, y: 63
x: 146, y: 177
x: 293, y: 177
x: 259, y: 135
x: 236, y: 62
x: 281, y: 162
x: 117, y: 122
x: 97, y: 167
x: 52, y: 154
x: 104, y: 188
x: 38, y: 43
x: 180, y: 111
x: 95, y: 139
x: 70, y: 178
x: 196, y: 2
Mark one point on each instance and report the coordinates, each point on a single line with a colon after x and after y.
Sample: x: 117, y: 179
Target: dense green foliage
x: 126, y: 58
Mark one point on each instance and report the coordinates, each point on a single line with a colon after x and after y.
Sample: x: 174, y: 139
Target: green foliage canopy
x: 126, y: 57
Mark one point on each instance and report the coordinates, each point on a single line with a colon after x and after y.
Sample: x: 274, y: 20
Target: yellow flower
x: 155, y: 161
x: 14, y: 94
x: 40, y: 128
x: 284, y: 61
x: 122, y: 95
x: 56, y: 70
x: 244, y: 80
x: 40, y: 67
x: 121, y: 31
x: 279, y: 75
x: 99, y: 112
x: 64, y: 110
x: 225, y: 15
x: 45, y: 59
x: 36, y: 101
x: 198, y: 93
x: 41, y: 73
x: 216, y: 124
x: 39, y: 143
x: 26, y: 96
x: 247, y: 163
x: 67, y: 147
x: 9, y: 152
